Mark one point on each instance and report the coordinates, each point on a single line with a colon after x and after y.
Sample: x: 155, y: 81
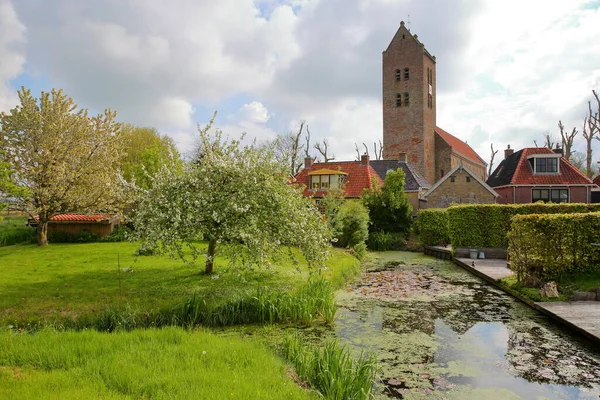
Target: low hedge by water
x: 487, y: 225
x: 432, y: 226
x: 548, y: 247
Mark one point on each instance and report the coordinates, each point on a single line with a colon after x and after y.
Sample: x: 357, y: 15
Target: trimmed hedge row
x: 432, y: 226
x: 487, y: 225
x: 546, y: 247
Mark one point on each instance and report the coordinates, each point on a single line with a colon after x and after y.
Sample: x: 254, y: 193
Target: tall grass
x: 311, y: 302
x: 331, y: 369
x: 169, y: 363
x: 14, y: 231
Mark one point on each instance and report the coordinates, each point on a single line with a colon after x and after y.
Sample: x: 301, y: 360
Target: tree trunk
x: 42, y: 232
x: 210, y: 256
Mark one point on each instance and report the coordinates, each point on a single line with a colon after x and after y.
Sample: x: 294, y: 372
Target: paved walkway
x: 581, y: 316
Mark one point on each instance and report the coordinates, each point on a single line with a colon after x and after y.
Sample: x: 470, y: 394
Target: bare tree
x: 567, y: 139
x: 307, y: 147
x: 357, y: 152
x: 366, y: 149
x: 590, y: 131
x: 378, y: 152
x: 288, y: 150
x: 322, y: 148
x: 494, y: 152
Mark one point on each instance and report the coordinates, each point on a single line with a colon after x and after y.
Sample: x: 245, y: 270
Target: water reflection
x: 440, y: 332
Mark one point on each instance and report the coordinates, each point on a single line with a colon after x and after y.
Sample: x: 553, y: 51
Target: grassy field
x: 152, y: 364
x: 71, y: 280
x: 14, y: 231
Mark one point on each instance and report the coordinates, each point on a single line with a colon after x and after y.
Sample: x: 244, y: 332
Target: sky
x: 507, y: 71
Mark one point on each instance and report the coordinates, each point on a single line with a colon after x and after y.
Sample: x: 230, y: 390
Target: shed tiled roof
x: 459, y: 146
x: 516, y: 170
x: 413, y: 180
x: 359, y: 177
x: 79, y: 218
x: 597, y: 180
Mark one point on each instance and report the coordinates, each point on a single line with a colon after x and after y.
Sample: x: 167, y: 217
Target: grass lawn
x: 13, y: 231
x: 566, y: 286
x: 153, y: 364
x: 70, y: 280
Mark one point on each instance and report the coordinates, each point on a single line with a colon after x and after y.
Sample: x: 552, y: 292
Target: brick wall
x: 577, y: 194
x: 460, y: 192
x: 409, y: 129
x: 443, y: 158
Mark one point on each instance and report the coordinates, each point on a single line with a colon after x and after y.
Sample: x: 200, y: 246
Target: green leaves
x: 432, y: 226
x: 236, y: 195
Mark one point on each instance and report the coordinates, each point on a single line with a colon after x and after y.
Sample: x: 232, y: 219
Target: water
x: 440, y: 332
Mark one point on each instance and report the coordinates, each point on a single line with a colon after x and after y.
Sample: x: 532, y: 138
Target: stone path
x: 584, y: 315
x: 495, y: 269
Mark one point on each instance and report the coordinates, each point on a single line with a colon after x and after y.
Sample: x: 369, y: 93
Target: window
x: 406, y: 74
x: 452, y: 179
x: 398, y: 100
x: 468, y: 179
x: 324, y: 182
x: 398, y: 75
x: 550, y: 195
x: 546, y: 165
x: 406, y: 99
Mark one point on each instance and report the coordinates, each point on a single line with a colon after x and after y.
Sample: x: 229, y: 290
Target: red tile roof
x: 597, y: 180
x: 80, y: 217
x: 359, y: 177
x: 459, y: 146
x: 569, y: 174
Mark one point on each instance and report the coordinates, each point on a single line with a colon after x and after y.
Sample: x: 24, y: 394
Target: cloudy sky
x: 507, y: 70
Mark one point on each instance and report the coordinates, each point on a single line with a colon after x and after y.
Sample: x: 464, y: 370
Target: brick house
x: 409, y: 112
x: 533, y: 174
x: 351, y: 176
x: 459, y: 186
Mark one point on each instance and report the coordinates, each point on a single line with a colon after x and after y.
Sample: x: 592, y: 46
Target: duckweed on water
x: 440, y: 332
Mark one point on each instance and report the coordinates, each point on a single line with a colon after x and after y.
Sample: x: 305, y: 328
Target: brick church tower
x: 409, y: 103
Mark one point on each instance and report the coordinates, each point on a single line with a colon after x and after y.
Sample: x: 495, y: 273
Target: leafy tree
x: 236, y: 197
x: 351, y: 225
x: 389, y: 208
x: 59, y: 158
x: 145, y: 152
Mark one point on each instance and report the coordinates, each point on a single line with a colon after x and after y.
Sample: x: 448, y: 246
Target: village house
x: 73, y: 224
x: 539, y: 174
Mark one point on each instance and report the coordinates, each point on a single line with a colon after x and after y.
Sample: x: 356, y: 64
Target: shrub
x: 331, y: 369
x: 432, y: 226
x: 117, y: 235
x: 548, y: 247
x: 383, y: 241
x: 81, y: 237
x: 487, y: 225
x: 351, y: 224
x: 389, y: 208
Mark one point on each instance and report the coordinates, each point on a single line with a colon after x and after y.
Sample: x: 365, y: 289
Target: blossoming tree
x: 59, y: 158
x: 238, y: 199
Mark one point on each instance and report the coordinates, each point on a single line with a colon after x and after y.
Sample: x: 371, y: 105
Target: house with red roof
x: 451, y: 152
x: 539, y: 174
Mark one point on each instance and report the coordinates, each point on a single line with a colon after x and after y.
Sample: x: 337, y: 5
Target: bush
x: 389, y: 208
x: 383, y: 241
x: 549, y: 247
x: 81, y: 237
x: 351, y: 224
x: 14, y: 231
x: 487, y: 225
x: 117, y: 235
x: 432, y: 226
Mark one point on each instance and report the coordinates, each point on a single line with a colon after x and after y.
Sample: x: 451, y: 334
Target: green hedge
x: 547, y: 247
x: 432, y: 226
x: 487, y: 225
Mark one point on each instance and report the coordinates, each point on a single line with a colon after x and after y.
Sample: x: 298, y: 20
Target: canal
x: 439, y: 332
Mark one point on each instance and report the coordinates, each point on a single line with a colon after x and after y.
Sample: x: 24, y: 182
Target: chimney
x: 364, y: 160
x: 308, y: 162
x: 558, y: 150
x: 508, y: 151
x: 402, y: 157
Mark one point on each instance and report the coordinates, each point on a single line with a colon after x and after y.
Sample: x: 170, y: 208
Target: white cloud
x: 12, y: 54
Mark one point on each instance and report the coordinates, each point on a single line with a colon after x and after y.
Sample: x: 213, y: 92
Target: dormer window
x: 406, y: 74
x: 545, y: 163
x: 325, y: 179
x: 398, y: 75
